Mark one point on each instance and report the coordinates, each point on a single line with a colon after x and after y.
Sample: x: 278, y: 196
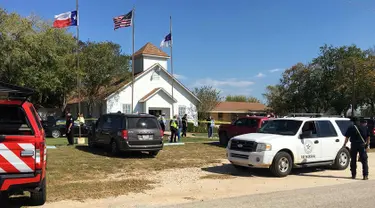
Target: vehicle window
x: 36, y: 117
x: 326, y: 129
x: 253, y: 123
x: 281, y: 127
x: 241, y: 122
x: 142, y: 123
x: 263, y: 123
x: 343, y: 125
x: 309, y: 129
x: 13, y: 121
x: 107, y: 123
x: 117, y: 122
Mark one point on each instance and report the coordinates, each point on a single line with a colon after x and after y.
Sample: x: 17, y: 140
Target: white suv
x: 283, y: 144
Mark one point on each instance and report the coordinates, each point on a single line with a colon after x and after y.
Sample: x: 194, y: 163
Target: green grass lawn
x: 63, y: 141
x: 78, y: 172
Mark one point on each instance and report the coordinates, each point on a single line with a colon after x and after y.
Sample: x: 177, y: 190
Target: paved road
x: 359, y: 194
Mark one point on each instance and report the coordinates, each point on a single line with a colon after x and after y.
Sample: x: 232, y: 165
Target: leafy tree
x: 35, y: 55
x: 101, y: 63
x: 209, y: 97
x: 241, y: 98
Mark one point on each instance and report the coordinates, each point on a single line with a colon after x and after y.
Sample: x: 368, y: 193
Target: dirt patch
x: 80, y: 173
x: 94, y: 190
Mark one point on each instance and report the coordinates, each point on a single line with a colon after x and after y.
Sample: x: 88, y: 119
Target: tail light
x: 124, y: 134
x: 373, y: 130
x: 161, y: 133
x: 40, y: 155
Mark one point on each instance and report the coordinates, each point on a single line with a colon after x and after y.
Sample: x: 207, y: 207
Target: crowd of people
x: 177, y: 125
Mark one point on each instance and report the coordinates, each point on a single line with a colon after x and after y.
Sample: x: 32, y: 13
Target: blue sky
x: 239, y: 47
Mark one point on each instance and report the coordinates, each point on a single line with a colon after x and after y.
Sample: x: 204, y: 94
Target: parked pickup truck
x: 243, y: 125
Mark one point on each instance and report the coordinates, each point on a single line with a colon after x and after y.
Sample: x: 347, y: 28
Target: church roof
x: 150, y: 49
x: 153, y: 92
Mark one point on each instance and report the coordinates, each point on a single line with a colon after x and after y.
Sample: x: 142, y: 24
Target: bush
x: 201, y: 128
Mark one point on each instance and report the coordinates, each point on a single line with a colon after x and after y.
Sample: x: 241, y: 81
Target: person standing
x: 174, y: 127
x: 184, y: 125
x: 179, y: 123
x: 208, y: 122
x: 212, y: 127
x: 161, y: 122
x: 69, y: 129
x: 360, y: 142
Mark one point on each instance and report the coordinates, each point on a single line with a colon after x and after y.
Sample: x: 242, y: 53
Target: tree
x: 101, y: 63
x: 252, y: 99
x: 209, y: 97
x: 241, y: 98
x: 35, y: 55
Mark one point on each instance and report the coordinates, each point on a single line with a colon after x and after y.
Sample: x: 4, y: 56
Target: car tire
x: 281, y: 165
x: 342, y: 159
x: 56, y: 134
x: 223, y: 137
x: 114, y: 148
x: 38, y: 198
x: 153, y: 153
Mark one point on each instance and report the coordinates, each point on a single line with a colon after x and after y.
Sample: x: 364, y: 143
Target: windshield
x: 282, y: 127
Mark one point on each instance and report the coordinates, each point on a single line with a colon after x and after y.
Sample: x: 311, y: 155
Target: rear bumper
x: 21, y: 181
x: 155, y: 145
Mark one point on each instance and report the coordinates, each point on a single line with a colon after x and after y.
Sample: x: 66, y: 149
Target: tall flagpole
x: 78, y: 77
x: 133, y: 15
x: 170, y: 46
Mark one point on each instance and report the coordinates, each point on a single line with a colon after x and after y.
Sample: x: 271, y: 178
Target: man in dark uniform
x: 69, y: 129
x: 360, y: 140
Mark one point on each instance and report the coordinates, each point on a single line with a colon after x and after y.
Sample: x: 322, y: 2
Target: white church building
x: 152, y: 90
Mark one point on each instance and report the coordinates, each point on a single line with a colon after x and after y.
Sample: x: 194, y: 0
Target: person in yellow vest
x: 174, y: 128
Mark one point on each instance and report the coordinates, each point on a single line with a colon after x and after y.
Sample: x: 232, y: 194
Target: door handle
x: 316, y: 142
x: 337, y: 140
x: 27, y: 153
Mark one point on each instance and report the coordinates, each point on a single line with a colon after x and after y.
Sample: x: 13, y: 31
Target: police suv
x: 283, y: 144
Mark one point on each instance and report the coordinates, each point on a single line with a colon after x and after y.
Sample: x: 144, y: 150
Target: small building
x: 152, y: 90
x: 228, y: 111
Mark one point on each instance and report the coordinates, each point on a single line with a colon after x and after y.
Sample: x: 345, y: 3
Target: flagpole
x: 171, y: 45
x: 133, y: 15
x: 78, y: 77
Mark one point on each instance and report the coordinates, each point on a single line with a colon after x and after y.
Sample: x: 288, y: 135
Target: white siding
x: 144, y: 85
x: 149, y: 61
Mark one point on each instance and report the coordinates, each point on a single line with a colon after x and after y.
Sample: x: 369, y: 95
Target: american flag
x: 123, y: 20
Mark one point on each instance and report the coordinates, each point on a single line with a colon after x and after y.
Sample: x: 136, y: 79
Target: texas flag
x: 66, y: 19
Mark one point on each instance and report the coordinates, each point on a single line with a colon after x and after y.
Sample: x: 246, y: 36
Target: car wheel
x: 282, y: 164
x: 38, y: 198
x: 223, y: 139
x: 114, y: 148
x: 153, y: 153
x: 56, y: 134
x: 342, y: 159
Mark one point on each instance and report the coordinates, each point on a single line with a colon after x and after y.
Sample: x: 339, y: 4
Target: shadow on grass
x: 239, y: 171
x: 215, y: 143
x: 106, y: 153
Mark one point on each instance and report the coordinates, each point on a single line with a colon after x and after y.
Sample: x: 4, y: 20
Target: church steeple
x: 147, y: 56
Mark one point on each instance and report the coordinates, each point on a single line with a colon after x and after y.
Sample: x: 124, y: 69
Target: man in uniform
x: 360, y: 141
x: 69, y: 128
x: 173, y: 125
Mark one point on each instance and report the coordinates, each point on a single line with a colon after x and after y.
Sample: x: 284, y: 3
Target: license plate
x: 145, y: 137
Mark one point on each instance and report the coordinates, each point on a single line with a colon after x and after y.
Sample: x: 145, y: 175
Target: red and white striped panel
x: 11, y: 160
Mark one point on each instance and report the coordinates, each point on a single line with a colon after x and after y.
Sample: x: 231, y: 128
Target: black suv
x: 127, y: 132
